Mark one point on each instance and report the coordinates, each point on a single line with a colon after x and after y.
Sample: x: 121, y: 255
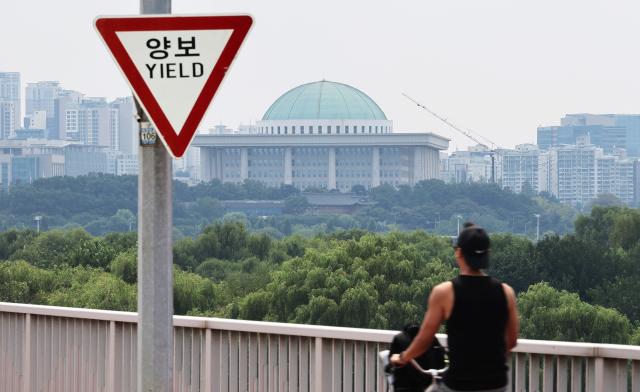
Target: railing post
x: 207, y: 360
x: 111, y: 364
x: 323, y: 368
x: 318, y: 364
x: 598, y: 374
x: 635, y: 376
x: 27, y: 354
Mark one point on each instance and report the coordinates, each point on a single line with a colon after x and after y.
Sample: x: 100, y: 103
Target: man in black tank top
x: 481, y: 320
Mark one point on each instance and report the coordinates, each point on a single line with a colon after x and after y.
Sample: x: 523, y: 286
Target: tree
x: 358, y: 306
x: 208, y: 208
x: 101, y: 291
x: 125, y: 266
x: 295, y: 204
x: 192, y: 291
x: 605, y: 200
x: 621, y: 294
x: 23, y: 283
x: 72, y: 248
x: 573, y: 264
x: 549, y: 314
x: 259, y: 245
x: 513, y: 260
x: 255, y: 306
x: 359, y: 189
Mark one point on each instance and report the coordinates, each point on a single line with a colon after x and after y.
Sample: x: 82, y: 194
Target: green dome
x: 324, y: 101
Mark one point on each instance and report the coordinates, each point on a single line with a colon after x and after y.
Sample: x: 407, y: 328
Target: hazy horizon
x: 498, y: 68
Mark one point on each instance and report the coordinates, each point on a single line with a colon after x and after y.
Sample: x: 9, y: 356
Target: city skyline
x: 509, y: 77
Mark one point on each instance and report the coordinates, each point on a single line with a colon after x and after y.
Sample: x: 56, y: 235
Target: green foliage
x: 103, y: 203
x: 125, y: 266
x: 549, y: 314
x: 22, y: 282
x: 192, y: 291
x: 96, y: 290
x: 217, y: 270
x: 344, y: 282
x: 61, y: 247
x: 349, y: 277
x: 513, y: 260
x: 635, y: 338
x: 434, y: 205
x: 574, y: 264
x: 13, y: 240
x: 295, y: 204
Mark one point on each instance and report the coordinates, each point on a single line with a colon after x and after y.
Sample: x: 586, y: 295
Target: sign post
x: 155, y: 252
x: 174, y: 65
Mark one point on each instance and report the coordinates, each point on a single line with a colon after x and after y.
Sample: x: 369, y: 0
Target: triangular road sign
x: 174, y: 65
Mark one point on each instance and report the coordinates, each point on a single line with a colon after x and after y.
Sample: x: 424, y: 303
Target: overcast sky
x: 497, y: 67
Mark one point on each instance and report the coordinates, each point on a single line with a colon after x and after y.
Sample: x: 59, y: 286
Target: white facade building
x: 525, y: 166
x: 7, y: 119
x: 472, y: 165
x: 36, y: 120
x: 127, y: 165
x: 581, y: 172
x: 127, y: 126
x: 322, y: 135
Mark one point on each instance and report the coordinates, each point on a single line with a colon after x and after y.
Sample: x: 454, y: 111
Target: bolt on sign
x: 174, y: 65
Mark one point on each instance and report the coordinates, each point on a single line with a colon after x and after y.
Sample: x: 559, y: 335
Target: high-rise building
x: 92, y: 121
x: 581, y: 172
x: 7, y: 119
x: 526, y: 166
x: 636, y: 182
x: 10, y: 92
x: 624, y: 184
x: 608, y: 131
x: 574, y: 179
x: 67, y: 99
x: 127, y: 125
x: 41, y: 96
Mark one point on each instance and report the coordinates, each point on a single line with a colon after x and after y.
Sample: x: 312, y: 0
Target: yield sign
x: 174, y: 65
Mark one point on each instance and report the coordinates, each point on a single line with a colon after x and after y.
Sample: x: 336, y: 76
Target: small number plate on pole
x: 148, y: 135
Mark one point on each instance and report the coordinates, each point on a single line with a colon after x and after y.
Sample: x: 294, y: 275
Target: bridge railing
x: 44, y: 348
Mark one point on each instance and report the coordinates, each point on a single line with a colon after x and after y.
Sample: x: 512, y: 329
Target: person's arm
x: 430, y: 324
x: 513, y: 322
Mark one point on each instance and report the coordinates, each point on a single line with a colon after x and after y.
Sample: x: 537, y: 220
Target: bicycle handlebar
x: 435, y: 373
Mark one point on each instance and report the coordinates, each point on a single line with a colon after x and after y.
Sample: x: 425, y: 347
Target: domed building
x: 324, y: 108
x: 322, y: 135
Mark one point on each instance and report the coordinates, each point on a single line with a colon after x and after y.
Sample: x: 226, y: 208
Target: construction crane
x: 492, y: 150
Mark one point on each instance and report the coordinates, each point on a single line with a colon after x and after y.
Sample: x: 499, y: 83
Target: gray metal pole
x: 155, y: 256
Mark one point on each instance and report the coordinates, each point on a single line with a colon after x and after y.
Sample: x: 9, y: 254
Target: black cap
x: 474, y: 243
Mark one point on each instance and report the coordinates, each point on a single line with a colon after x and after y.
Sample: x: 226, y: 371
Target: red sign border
x: 176, y: 143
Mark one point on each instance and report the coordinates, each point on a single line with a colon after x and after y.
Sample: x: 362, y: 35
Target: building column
x: 331, y: 174
x: 418, y: 165
x: 288, y: 167
x: 432, y: 163
x: 375, y: 167
x: 206, y: 170
x: 218, y: 171
x: 244, y: 163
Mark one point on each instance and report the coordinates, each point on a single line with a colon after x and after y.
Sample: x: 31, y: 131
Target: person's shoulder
x: 443, y: 288
x: 508, y: 290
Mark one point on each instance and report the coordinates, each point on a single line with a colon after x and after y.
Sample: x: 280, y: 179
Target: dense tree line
x: 102, y: 203
x: 580, y: 287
